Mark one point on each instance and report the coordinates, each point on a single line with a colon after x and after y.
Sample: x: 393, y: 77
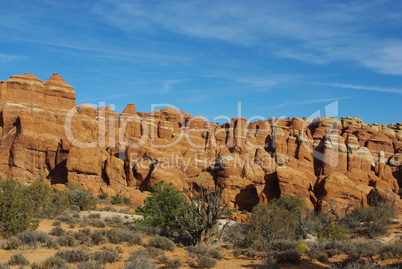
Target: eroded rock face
x: 325, y: 160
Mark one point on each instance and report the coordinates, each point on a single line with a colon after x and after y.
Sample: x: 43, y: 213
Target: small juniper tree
x: 193, y: 217
x: 164, y: 208
x: 296, y: 205
x: 79, y: 197
x: 201, y: 215
x: 47, y: 202
x: 270, y: 223
x: 15, y: 207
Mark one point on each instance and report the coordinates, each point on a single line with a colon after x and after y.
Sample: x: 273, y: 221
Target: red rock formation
x: 326, y: 160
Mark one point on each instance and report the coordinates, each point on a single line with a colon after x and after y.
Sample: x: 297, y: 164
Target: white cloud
x: 359, y: 87
x: 167, y: 84
x: 320, y: 33
x: 310, y: 101
x: 387, y: 59
x: 6, y: 58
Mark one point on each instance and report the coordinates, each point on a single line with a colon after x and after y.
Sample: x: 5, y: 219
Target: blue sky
x: 278, y: 58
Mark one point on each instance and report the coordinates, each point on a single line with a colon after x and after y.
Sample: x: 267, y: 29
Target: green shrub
x: 270, y: 223
x: 333, y: 232
x: 47, y: 202
x: 79, y: 197
x: 15, y: 208
x: 164, y: 208
x: 18, y: 259
x: 162, y: 243
x: 292, y: 203
x: 301, y: 246
x: 206, y: 261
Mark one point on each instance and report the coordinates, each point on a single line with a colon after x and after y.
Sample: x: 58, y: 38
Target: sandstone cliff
x: 44, y: 133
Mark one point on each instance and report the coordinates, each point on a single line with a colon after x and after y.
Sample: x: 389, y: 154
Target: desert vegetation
x: 185, y: 230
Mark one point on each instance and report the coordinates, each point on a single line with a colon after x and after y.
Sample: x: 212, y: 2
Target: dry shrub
x: 206, y: 261
x: 140, y: 263
x: 173, y: 263
x: 18, y: 259
x: 91, y: 265
x: 106, y: 256
x: 57, y: 231
x: 290, y: 255
x: 73, y: 255
x: 162, y: 243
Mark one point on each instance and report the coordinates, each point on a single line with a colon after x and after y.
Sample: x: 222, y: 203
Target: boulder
x: 338, y: 190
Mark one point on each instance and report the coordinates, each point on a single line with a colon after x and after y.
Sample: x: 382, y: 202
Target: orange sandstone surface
x: 45, y: 133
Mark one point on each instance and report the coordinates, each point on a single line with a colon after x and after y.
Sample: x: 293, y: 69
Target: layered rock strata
x: 325, y: 160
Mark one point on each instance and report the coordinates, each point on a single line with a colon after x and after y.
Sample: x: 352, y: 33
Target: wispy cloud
x: 359, y: 87
x: 332, y: 32
x: 310, y: 101
x: 6, y: 58
x: 167, y: 84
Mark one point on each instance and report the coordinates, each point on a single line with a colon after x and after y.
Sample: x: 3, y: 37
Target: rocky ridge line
x: 326, y: 160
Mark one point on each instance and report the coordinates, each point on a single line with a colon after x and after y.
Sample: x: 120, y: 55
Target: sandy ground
x: 395, y: 231
x: 228, y: 262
